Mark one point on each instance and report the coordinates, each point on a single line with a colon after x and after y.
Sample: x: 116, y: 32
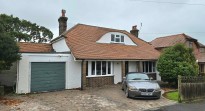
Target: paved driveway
x: 109, y: 98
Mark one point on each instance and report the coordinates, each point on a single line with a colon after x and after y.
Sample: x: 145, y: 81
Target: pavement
x: 195, y: 106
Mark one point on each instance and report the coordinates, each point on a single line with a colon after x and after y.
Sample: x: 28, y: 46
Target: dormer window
x: 117, y: 38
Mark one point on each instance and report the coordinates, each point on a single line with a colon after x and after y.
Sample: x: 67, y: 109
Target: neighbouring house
x: 198, y: 48
x: 83, y: 56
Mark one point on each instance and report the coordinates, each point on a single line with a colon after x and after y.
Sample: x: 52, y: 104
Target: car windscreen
x: 136, y: 76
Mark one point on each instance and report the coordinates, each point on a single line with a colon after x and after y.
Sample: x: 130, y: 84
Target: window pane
x: 202, y: 50
x: 117, y: 35
x: 122, y: 38
x: 93, y: 68
x: 117, y: 39
x: 154, y: 67
x: 190, y: 44
x: 147, y: 67
x: 103, y: 67
x: 112, y: 37
x: 109, y: 67
x: 143, y: 66
x: 202, y: 68
x: 150, y: 66
x: 86, y: 68
x: 98, y: 67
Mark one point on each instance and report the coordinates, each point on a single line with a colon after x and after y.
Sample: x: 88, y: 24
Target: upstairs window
x: 117, y: 38
x: 202, y: 50
x: 190, y: 44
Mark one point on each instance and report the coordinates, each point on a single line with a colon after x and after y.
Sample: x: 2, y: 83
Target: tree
x: 8, y: 50
x: 24, y: 30
x: 177, y: 60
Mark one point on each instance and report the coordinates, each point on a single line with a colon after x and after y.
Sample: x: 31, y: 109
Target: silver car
x: 139, y: 85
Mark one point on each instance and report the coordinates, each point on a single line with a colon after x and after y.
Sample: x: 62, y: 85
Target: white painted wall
x: 60, y: 46
x: 107, y: 38
x: 117, y: 72
x: 132, y: 66
x: 158, y: 76
x: 73, y: 70
x: 73, y: 78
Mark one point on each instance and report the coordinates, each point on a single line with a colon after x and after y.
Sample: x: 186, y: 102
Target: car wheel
x: 127, y: 93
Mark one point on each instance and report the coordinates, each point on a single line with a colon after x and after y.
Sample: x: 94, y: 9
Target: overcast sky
x: 157, y: 18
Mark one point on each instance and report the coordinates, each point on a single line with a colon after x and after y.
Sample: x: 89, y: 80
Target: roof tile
x: 34, y: 47
x: 82, y: 41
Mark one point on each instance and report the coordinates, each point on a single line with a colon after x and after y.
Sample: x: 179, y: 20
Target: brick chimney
x: 134, y: 31
x: 62, y: 22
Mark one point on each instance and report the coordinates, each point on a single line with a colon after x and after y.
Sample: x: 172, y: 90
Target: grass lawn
x: 173, y: 95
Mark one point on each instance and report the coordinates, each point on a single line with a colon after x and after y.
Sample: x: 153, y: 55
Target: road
x: 198, y: 106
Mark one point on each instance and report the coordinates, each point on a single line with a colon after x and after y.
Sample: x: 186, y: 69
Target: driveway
x: 108, y: 98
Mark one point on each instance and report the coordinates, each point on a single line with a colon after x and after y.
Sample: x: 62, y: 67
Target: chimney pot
x: 63, y: 12
x: 134, y: 27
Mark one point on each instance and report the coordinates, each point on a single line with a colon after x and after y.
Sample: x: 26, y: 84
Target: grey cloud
x: 158, y: 19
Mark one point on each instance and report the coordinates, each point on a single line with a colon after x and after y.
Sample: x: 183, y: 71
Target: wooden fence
x: 191, y: 88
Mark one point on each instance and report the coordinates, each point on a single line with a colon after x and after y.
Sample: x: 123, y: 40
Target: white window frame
x: 153, y: 63
x: 111, y: 69
x: 115, y: 38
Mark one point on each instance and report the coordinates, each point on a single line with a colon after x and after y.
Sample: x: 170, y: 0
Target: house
x: 83, y: 56
x: 198, y: 48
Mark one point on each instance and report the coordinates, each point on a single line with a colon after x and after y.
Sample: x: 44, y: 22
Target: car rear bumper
x: 138, y: 94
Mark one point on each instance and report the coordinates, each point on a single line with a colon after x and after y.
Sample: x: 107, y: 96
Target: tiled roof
x: 34, y: 47
x: 171, y: 40
x: 167, y: 41
x: 81, y: 39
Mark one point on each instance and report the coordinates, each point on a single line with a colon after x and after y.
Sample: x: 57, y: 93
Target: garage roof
x: 34, y: 47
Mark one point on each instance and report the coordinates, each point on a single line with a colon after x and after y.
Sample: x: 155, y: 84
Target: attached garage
x: 47, y: 76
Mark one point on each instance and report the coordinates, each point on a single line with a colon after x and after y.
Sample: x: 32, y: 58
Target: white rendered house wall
x: 107, y: 38
x: 60, y: 46
x: 132, y: 66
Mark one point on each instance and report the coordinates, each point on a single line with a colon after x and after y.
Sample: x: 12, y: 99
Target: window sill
x: 100, y: 75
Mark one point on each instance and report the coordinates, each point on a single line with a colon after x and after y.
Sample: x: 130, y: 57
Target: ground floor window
x: 149, y: 66
x: 101, y: 67
x: 201, y: 68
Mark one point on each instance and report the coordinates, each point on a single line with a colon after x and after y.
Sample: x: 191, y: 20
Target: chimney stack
x: 62, y: 22
x: 134, y: 31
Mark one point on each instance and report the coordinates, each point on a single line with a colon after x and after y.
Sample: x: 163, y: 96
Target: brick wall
x: 99, y: 81
x: 123, y: 69
x: 84, y: 71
